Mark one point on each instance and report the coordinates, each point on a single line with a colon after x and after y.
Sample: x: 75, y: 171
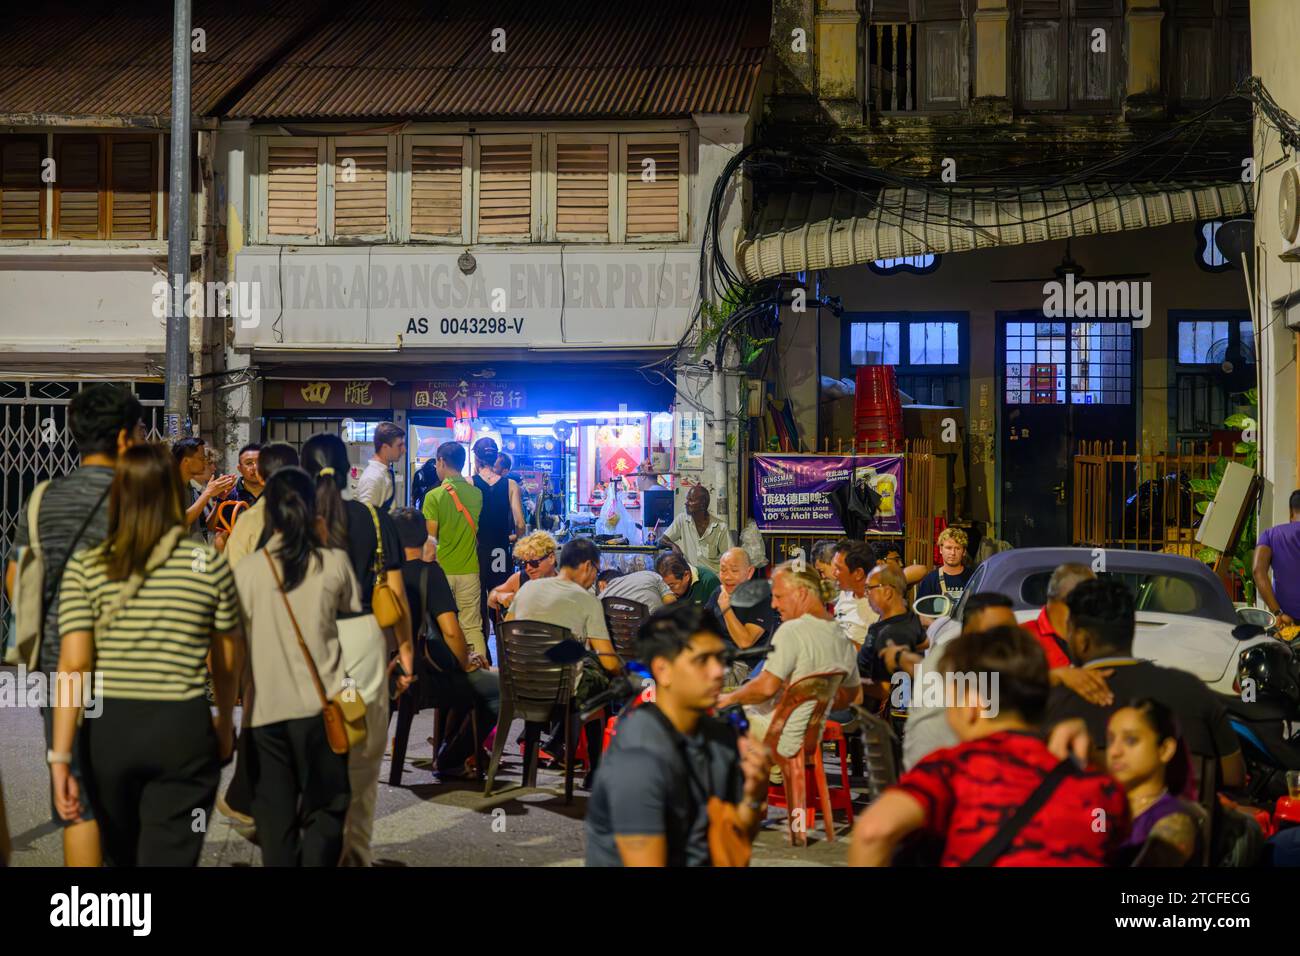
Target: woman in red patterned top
x: 962, y: 800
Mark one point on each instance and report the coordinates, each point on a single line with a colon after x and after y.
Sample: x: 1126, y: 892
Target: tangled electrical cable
x: 756, y: 304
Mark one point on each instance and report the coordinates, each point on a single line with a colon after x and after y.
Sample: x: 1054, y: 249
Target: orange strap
x: 451, y: 490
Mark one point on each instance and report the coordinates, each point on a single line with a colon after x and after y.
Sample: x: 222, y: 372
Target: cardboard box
x: 932, y: 422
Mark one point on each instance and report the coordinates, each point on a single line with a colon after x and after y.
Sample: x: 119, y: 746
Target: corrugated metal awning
x: 811, y: 230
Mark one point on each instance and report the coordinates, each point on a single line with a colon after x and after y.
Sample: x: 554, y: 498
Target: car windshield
x: 1163, y: 593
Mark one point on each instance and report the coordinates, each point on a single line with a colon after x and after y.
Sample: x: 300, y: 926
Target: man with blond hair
x: 807, y: 642
x: 951, y: 577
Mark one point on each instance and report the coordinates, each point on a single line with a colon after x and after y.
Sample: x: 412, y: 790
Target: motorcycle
x: 1265, y: 715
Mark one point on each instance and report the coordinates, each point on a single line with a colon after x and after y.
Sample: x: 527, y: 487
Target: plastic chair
x: 406, y: 707
x: 881, y: 748
x: 793, y: 793
x: 624, y: 618
x: 537, y: 690
x: 533, y: 688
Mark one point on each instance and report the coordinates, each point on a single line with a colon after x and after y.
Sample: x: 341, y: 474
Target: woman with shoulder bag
x: 291, y: 592
x: 143, y: 610
x: 370, y: 540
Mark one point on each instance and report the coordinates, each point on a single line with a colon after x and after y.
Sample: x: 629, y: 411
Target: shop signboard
x: 792, y: 492
x: 478, y: 398
x: 413, y: 297
x: 335, y: 393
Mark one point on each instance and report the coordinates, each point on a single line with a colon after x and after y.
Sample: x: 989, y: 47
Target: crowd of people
x: 313, y: 610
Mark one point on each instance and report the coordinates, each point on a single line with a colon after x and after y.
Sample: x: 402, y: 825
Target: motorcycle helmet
x: 1273, y: 669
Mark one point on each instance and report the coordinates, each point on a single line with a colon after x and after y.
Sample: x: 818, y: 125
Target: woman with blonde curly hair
x: 535, y: 553
x: 951, y: 576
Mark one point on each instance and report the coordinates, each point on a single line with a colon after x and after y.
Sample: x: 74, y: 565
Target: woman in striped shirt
x: 144, y: 609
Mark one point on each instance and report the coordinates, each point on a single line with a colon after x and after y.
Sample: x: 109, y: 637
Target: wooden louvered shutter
x: 132, y: 182
x: 77, y: 210
x: 437, y: 188
x: 505, y: 189
x: 22, y: 194
x: 654, y: 205
x: 361, y: 189
x: 292, y: 173
x: 582, y: 189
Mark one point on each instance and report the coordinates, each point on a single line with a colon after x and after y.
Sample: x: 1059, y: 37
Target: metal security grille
x: 296, y: 431
x: 36, y: 444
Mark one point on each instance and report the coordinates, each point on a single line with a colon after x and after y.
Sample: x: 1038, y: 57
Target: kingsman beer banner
x: 792, y: 492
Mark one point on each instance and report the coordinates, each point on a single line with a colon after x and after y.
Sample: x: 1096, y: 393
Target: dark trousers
x: 300, y: 793
x: 153, y: 771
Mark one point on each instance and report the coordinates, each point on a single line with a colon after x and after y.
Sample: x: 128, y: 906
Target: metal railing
x: 1140, y: 500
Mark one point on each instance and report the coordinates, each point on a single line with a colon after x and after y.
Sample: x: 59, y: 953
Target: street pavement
x: 424, y: 822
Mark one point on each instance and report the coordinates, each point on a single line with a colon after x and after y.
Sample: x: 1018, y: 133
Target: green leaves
x: 1204, y: 486
x: 1201, y: 507
x: 1239, y: 421
x: 1208, y: 555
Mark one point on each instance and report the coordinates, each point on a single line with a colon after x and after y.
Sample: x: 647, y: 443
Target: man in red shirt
x: 962, y: 797
x: 1049, y: 629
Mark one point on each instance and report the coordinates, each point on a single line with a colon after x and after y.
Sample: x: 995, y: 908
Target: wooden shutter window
x: 436, y: 189
x: 291, y: 195
x: 361, y: 206
x: 505, y: 200
x: 653, y: 207
x: 582, y: 188
x: 21, y: 209
x: 77, y: 213
x: 132, y: 180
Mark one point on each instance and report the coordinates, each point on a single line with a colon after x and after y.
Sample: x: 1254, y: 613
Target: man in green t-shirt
x: 693, y: 583
x: 451, y: 512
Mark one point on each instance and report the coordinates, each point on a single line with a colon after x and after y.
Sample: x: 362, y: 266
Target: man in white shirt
x: 809, y: 642
x: 698, y: 535
x: 852, y: 562
x: 377, y: 485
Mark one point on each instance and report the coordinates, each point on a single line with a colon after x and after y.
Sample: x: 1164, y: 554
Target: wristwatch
x: 53, y: 756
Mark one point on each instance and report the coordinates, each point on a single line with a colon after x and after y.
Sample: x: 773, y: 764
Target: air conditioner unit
x: 1288, y: 213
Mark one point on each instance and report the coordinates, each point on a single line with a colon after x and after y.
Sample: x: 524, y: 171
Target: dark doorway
x: 1062, y: 382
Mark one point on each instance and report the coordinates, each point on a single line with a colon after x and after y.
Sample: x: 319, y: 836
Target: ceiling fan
x: 1069, y: 267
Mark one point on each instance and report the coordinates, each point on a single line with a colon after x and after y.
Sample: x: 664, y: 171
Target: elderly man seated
x: 807, y: 642
x: 744, y: 627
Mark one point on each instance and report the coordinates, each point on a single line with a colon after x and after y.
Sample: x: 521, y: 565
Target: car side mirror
x: 933, y: 605
x: 1256, y: 617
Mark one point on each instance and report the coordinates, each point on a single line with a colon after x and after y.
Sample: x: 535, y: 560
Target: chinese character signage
x: 473, y: 399
x: 335, y: 393
x: 792, y: 492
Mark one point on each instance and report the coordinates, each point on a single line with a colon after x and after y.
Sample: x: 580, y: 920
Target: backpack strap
x: 1011, y: 827
x: 379, y: 543
x: 451, y: 490
x: 76, y: 539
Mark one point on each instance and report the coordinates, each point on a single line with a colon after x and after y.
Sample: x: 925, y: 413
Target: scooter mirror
x: 933, y: 605
x: 751, y: 594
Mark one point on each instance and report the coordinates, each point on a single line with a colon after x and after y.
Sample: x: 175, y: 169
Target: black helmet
x: 1273, y: 669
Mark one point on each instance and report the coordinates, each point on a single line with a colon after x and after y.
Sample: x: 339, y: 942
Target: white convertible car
x: 1184, y: 617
